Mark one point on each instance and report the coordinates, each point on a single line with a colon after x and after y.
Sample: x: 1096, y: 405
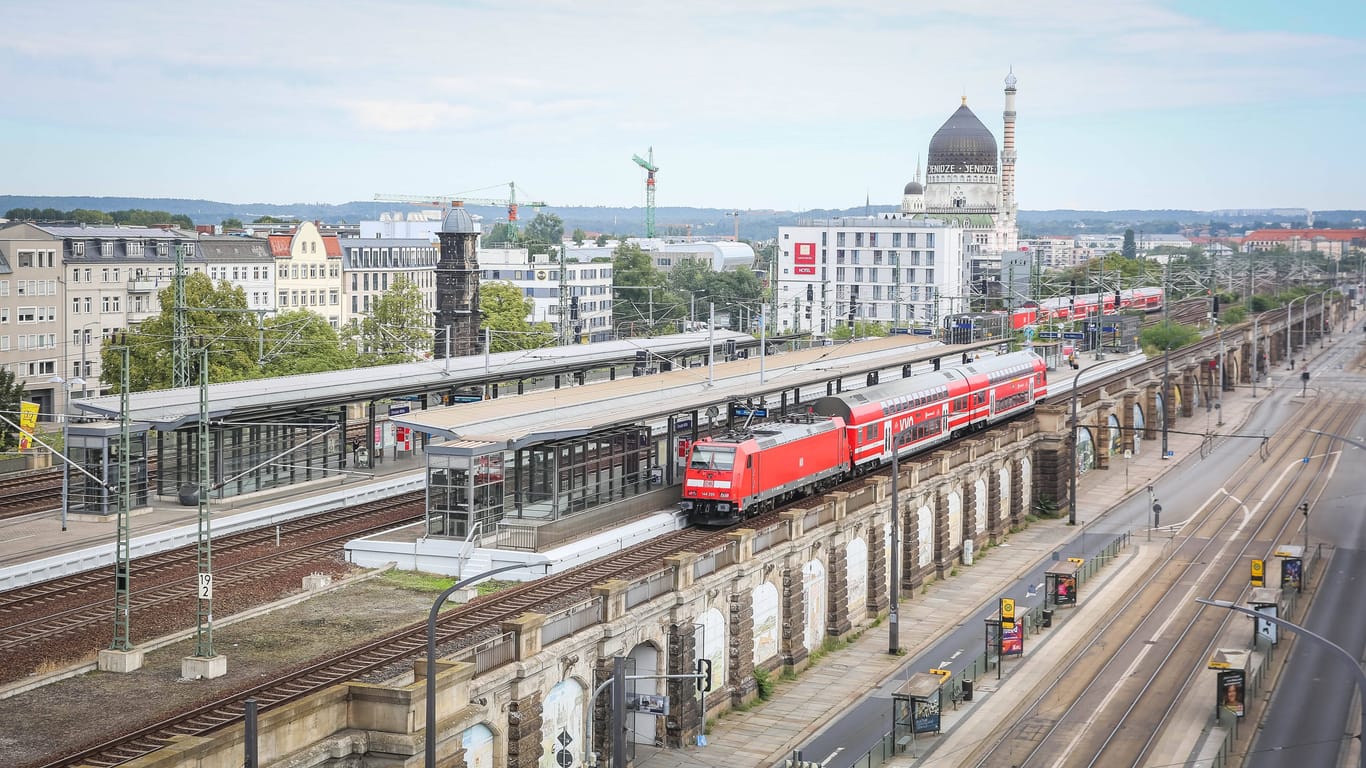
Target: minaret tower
x: 1008, y: 148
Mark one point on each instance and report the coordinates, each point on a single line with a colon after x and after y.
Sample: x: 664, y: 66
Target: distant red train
x: 740, y: 474
x: 1064, y: 308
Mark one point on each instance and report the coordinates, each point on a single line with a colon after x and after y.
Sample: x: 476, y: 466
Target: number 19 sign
x: 206, y: 586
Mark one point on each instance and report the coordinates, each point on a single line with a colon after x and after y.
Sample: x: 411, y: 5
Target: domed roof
x: 458, y: 220
x: 915, y: 188
x: 963, y: 145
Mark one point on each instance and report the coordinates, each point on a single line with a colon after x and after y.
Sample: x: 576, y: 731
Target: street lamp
x: 430, y: 757
x: 1289, y: 323
x: 1318, y: 640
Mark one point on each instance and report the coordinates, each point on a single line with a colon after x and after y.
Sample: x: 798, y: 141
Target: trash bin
x: 1046, y: 618
x: 967, y: 690
x: 189, y: 495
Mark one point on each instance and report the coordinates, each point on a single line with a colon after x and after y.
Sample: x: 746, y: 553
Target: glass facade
x: 247, y: 458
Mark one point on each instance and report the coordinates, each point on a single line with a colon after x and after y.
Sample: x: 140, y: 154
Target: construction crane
x: 650, y: 168
x: 445, y: 201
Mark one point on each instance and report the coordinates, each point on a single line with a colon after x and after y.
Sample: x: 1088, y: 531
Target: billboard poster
x: 1291, y: 571
x: 765, y: 612
x: 1012, y: 639
x: 1266, y: 628
x: 28, y: 421
x: 804, y: 258
x: 1065, y: 593
x: 1231, y: 691
x: 926, y: 716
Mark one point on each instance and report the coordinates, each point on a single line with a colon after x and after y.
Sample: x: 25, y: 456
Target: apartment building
x: 587, y: 291
x: 308, y: 272
x: 370, y: 265
x: 246, y: 263
x: 85, y: 284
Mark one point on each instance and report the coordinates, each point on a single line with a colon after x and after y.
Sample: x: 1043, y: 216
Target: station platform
x: 35, y: 547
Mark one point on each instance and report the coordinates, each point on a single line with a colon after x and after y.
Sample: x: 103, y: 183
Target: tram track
x: 1114, y: 697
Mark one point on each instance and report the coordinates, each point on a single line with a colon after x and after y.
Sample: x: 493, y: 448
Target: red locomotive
x: 737, y: 475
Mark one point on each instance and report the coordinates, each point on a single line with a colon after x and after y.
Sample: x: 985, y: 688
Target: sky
x: 751, y: 104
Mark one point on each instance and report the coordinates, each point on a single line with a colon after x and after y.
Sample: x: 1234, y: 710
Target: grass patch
x: 417, y: 581
x: 494, y: 585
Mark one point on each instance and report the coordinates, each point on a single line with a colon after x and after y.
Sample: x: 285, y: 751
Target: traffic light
x: 704, y: 675
x: 1216, y: 305
x: 573, y: 307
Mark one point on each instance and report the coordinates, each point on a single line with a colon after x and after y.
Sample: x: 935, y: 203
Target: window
x: 353, y: 281
x: 839, y: 239
x: 896, y: 239
x: 284, y: 298
x: 4, y: 315
x: 27, y: 314
x: 26, y: 258
x: 89, y: 305
x: 333, y: 297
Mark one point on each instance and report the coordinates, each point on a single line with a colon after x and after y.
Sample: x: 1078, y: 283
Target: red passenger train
x: 740, y: 474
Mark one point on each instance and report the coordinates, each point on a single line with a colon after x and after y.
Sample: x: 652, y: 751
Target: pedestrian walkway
x: 766, y: 734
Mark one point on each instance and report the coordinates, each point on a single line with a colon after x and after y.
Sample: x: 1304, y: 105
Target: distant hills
x: 754, y: 224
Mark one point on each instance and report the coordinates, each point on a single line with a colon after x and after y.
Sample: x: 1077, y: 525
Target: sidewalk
x: 765, y: 735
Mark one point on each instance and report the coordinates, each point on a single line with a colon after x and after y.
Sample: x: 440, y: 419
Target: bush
x: 764, y: 681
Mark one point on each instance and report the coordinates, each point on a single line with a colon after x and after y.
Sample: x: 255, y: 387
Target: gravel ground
x: 38, y: 726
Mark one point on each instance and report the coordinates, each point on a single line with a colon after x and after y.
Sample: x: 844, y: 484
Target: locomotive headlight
x: 723, y: 507
x: 685, y: 504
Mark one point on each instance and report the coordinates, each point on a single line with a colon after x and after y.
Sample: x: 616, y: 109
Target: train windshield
x: 704, y: 457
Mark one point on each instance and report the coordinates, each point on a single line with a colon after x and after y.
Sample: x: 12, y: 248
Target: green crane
x: 650, y: 168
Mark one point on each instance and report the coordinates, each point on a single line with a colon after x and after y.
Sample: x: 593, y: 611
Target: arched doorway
x: 642, y: 726
x: 1086, y: 450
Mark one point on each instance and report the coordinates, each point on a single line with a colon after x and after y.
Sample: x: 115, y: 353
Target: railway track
x: 456, y: 628
x: 1112, y: 700
x: 66, y: 617
x: 37, y: 492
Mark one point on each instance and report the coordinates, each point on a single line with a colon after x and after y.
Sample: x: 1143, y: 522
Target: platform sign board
x: 1007, y: 613
x: 1050, y: 335
x: 1073, y: 335
x: 922, y: 331
x: 402, y: 435
x: 1258, y: 573
x: 1232, y: 690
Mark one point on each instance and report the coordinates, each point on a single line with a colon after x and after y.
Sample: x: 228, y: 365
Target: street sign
x: 1073, y: 335
x: 1050, y: 335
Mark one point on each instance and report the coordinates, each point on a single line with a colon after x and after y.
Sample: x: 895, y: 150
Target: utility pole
x: 180, y: 324
x: 122, y: 558
x: 204, y: 663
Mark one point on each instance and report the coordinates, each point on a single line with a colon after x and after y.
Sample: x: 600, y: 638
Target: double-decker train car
x: 927, y: 409
x: 1083, y: 305
x: 741, y: 474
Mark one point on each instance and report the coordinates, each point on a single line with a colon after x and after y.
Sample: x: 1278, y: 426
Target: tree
x: 862, y: 329
x: 505, y: 311
x: 300, y: 341
x: 601, y: 242
x: 1168, y: 335
x: 268, y: 220
x: 398, y: 328
x: 502, y: 234
x: 546, y: 231
x: 1130, y: 247
x: 643, y: 304
x: 11, y: 394
x: 217, y: 315
x: 579, y: 236
x: 232, y: 223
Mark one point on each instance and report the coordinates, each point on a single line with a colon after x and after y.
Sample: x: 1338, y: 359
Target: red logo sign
x: 804, y: 253
x: 804, y: 270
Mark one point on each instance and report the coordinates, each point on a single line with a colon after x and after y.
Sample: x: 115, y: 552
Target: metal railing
x: 570, y: 620
x: 489, y: 654
x: 650, y: 587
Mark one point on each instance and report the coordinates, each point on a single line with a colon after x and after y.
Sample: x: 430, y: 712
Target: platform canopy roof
x: 543, y: 416
x: 274, y: 398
